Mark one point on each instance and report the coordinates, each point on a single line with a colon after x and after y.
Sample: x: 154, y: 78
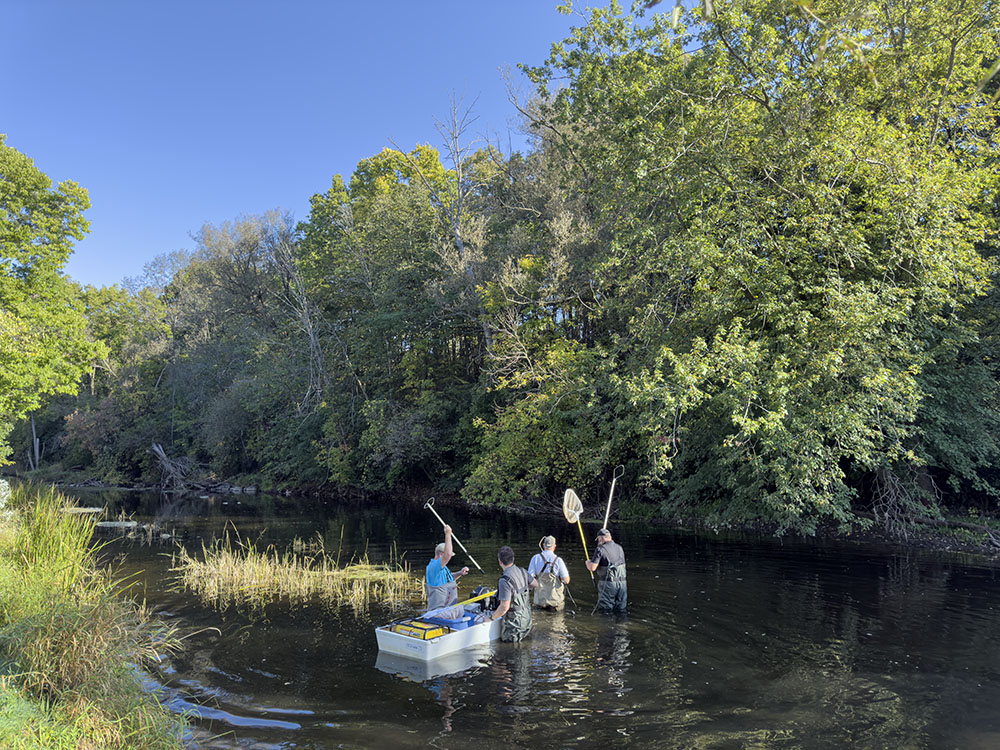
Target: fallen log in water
x: 173, y: 472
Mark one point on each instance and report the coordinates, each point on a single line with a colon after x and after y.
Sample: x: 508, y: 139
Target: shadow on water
x: 736, y: 642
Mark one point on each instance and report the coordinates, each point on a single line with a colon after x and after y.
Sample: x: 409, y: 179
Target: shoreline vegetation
x: 71, y: 646
x: 973, y: 532
x: 241, y: 574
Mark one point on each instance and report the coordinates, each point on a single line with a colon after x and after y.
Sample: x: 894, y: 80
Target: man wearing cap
x: 442, y: 591
x: 609, y: 560
x: 551, y: 573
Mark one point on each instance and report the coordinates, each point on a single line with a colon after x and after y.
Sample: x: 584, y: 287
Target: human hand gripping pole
x: 572, y: 508
x: 430, y: 506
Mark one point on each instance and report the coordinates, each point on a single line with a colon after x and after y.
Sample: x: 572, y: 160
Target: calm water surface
x: 730, y: 642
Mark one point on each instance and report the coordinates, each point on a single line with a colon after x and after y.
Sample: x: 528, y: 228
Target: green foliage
x: 69, y: 641
x: 556, y: 434
x: 749, y: 257
x: 43, y: 346
x: 787, y: 238
x: 28, y: 725
x: 378, y: 260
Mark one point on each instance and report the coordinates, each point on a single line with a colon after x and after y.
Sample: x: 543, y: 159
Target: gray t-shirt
x: 513, y: 581
x: 609, y: 553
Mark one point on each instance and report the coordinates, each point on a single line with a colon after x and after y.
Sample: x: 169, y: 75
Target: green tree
x: 790, y: 239
x: 44, y: 348
x: 392, y: 267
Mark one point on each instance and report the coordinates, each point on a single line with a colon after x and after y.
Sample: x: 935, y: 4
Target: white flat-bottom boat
x: 430, y: 649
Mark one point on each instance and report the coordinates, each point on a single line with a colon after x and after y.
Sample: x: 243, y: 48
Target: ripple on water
x: 730, y: 642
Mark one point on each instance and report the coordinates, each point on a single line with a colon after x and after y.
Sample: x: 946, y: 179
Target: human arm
x: 449, y: 551
x: 501, y: 610
x: 463, y: 572
x: 594, y: 563
x: 534, y: 568
x: 504, y: 596
x: 562, y: 571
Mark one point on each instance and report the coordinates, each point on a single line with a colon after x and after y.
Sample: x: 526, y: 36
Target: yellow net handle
x: 572, y: 510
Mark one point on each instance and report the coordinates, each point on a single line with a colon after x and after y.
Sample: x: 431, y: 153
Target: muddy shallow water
x: 730, y: 642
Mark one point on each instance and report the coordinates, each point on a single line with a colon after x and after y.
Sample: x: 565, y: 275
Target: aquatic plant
x: 69, y: 641
x: 239, y: 573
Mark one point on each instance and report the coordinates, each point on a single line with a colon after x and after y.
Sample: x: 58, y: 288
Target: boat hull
x: 481, y: 634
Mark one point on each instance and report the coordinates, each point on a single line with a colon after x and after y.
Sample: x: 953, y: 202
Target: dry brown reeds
x: 240, y: 573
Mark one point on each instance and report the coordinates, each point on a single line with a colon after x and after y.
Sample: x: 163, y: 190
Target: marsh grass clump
x: 69, y: 641
x: 240, y: 573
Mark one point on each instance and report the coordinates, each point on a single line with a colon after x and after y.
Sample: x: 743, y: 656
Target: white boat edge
x: 434, y: 648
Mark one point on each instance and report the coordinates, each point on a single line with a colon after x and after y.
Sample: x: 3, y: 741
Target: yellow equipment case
x: 416, y: 629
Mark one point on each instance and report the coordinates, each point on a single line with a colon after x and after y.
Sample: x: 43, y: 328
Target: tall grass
x: 240, y: 573
x: 69, y: 641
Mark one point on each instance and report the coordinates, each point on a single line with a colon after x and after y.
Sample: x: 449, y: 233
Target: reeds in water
x: 240, y: 573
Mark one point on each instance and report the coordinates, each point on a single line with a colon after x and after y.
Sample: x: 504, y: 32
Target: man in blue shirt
x: 442, y: 590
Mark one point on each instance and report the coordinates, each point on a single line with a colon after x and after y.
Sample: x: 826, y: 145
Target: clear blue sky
x: 174, y: 114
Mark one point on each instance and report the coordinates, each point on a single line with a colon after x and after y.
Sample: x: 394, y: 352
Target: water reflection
x: 415, y: 670
x: 735, y: 642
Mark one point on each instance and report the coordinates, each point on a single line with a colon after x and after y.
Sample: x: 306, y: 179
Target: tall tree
x: 44, y: 348
x: 790, y: 238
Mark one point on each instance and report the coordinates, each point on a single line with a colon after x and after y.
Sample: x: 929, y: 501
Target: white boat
x: 479, y: 634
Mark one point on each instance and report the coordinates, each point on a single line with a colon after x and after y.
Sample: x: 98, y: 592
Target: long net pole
x: 430, y: 506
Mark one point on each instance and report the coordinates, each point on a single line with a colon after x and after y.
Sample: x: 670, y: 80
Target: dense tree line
x: 749, y: 255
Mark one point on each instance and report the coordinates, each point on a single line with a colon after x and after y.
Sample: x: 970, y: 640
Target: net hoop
x: 572, y: 508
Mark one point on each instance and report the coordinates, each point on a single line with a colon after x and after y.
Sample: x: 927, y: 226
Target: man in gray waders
x: 512, y: 593
x: 552, y: 575
x: 609, y: 559
x: 442, y: 591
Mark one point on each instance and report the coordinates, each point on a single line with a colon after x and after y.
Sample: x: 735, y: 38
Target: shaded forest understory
x: 749, y: 257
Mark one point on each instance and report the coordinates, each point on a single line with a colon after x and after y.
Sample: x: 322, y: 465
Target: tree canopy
x: 44, y: 348
x: 750, y: 255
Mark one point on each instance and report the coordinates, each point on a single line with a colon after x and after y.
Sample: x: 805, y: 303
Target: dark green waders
x: 517, y: 621
x: 613, y: 590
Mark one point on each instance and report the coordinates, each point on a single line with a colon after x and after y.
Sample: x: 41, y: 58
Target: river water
x: 730, y: 642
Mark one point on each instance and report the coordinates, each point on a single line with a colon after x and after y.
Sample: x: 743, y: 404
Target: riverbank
x: 70, y: 643
x: 975, y: 533
x: 950, y: 535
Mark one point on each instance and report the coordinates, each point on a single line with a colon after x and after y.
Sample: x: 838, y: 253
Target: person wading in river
x: 609, y: 559
x: 442, y: 590
x: 551, y: 573
x: 512, y: 592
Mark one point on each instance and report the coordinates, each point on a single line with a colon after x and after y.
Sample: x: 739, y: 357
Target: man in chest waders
x: 609, y: 560
x: 442, y: 590
x: 552, y: 575
x: 512, y: 593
